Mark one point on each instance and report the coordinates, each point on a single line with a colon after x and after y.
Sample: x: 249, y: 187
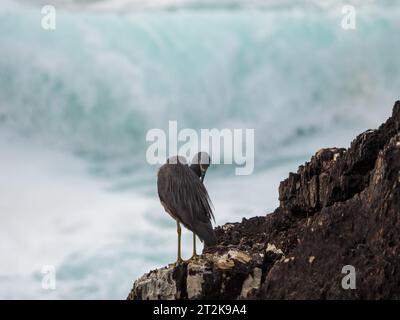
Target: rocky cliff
x: 341, y: 208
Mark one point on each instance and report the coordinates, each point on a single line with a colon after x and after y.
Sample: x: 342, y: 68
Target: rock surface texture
x: 341, y: 208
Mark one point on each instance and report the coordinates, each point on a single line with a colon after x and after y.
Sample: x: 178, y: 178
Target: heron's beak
x: 203, y: 173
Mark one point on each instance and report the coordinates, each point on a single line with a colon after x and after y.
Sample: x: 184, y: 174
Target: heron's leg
x: 194, y: 255
x: 178, y: 230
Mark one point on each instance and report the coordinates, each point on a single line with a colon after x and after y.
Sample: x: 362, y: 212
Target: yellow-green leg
x: 179, y: 231
x: 194, y: 255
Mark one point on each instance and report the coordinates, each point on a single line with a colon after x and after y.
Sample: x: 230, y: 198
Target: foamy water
x: 54, y: 213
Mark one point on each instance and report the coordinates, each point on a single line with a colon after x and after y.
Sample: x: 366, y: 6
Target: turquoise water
x: 76, y: 103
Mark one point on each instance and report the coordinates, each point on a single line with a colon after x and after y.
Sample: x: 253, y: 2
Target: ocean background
x: 76, y: 103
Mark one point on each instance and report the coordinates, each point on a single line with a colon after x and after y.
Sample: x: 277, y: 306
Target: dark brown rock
x: 341, y: 208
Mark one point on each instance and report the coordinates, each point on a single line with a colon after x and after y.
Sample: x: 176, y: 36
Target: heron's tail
x: 206, y: 234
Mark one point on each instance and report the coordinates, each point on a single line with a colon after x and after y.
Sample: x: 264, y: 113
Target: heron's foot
x: 178, y: 262
x: 194, y: 257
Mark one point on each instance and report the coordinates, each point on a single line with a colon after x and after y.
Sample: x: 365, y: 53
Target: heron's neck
x: 196, y: 169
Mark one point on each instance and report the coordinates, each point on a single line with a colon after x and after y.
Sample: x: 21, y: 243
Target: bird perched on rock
x: 185, y: 198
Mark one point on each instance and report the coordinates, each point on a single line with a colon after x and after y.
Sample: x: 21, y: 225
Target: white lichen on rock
x: 252, y: 283
x: 227, y: 260
x: 196, y: 271
x: 274, y: 249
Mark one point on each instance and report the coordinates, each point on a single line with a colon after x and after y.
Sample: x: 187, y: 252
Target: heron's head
x: 200, y: 163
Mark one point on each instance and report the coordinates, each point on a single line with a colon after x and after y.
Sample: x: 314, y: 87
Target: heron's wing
x: 184, y: 195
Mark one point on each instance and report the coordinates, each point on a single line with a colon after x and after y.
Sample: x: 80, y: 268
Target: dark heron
x: 184, y: 198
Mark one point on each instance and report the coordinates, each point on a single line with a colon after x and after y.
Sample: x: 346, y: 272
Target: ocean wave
x: 98, y: 83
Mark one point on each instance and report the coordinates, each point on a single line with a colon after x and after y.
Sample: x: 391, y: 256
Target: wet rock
x: 165, y: 284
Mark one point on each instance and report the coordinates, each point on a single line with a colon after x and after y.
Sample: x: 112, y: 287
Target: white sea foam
x: 53, y: 213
